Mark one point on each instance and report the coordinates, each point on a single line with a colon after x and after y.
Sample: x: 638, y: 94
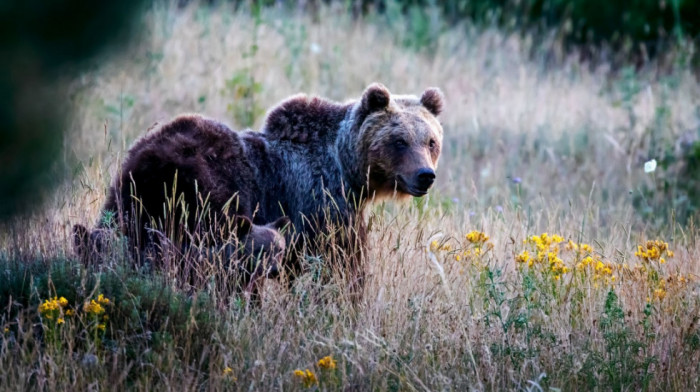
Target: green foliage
x: 623, y: 25
x: 146, y: 315
x: 515, y: 316
x: 625, y: 360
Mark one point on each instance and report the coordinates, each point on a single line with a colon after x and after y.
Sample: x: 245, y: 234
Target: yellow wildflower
x: 653, y: 251
x: 93, y: 307
x: 60, y: 321
x: 101, y: 326
x: 6, y: 330
x: 477, y: 237
x: 557, y: 267
x: 102, y: 300
x: 585, y: 262
x: 523, y: 257
x: 50, y: 305
x: 660, y: 293
x: 51, y: 308
x: 70, y: 313
x: 327, y: 363
x: 307, y: 377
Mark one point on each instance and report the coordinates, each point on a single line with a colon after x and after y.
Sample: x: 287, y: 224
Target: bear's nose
x: 425, y: 177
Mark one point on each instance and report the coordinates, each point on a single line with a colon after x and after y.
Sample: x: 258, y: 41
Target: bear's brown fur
x: 316, y: 161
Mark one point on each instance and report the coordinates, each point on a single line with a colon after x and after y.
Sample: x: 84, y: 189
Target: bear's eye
x: 400, y: 143
x: 431, y: 144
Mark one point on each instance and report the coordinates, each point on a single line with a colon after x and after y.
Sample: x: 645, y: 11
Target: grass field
x: 588, y: 278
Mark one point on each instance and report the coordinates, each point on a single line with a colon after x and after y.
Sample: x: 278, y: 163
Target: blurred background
x: 548, y: 101
x: 572, y: 131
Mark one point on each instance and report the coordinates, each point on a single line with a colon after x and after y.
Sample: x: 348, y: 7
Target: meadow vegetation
x: 544, y: 258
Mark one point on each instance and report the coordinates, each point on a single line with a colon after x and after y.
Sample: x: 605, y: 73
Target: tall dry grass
x: 531, y: 145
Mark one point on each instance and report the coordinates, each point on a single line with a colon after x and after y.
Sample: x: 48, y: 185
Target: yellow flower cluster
x: 524, y: 258
x: 93, y: 307
x: 557, y: 266
x: 660, y: 292
x: 101, y: 299
x: 545, y: 242
x: 545, y: 251
x: 544, y: 246
x: 477, y: 237
x: 53, y: 304
x: 306, y: 377
x: 53, y: 309
x: 96, y: 307
x: 653, y: 251
x: 602, y: 271
x: 477, y: 247
x: 327, y: 363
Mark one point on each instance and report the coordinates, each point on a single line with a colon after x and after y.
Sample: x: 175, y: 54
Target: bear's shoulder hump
x: 302, y: 119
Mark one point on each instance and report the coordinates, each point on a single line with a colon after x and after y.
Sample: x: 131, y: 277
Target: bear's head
x: 399, y: 140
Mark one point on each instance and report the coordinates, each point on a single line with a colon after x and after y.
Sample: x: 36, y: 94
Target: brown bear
x: 255, y: 252
x: 316, y: 161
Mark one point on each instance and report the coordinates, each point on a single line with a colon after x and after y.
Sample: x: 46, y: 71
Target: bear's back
x: 302, y: 119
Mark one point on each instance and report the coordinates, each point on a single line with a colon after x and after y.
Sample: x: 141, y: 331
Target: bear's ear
x: 376, y: 97
x: 242, y: 225
x: 432, y: 100
x: 281, y: 223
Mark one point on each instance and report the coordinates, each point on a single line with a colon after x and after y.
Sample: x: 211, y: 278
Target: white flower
x: 650, y: 166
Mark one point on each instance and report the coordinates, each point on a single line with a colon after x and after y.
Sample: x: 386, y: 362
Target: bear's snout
x: 424, y: 178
